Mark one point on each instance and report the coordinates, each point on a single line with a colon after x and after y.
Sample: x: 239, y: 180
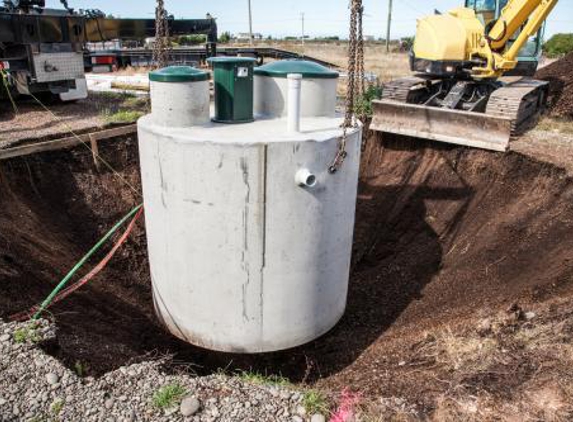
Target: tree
x: 559, y: 45
x: 225, y: 37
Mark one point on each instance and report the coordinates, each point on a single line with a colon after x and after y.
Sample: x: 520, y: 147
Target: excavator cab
x: 528, y: 61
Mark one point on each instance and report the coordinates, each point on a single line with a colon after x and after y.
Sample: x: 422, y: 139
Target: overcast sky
x: 283, y: 17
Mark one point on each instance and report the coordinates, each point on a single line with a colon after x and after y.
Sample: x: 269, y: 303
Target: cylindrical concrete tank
x: 179, y: 96
x: 249, y: 235
x: 318, y: 88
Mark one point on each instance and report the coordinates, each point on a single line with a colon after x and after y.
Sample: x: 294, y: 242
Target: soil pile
x: 444, y: 235
x: 560, y: 78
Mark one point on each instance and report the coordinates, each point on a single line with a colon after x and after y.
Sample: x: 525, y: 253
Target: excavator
x: 472, y: 79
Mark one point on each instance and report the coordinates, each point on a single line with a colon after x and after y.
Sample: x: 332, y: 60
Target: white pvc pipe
x: 304, y: 178
x: 294, y: 102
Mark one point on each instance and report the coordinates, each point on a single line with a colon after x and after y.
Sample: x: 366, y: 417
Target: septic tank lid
x: 307, y: 69
x: 178, y: 74
x: 234, y: 59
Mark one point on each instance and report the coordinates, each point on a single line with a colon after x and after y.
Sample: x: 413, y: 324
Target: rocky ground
x: 36, y: 387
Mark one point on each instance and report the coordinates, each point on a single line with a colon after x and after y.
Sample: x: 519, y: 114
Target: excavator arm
x: 527, y: 15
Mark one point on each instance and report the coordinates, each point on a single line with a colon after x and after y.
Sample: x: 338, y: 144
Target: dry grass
x: 556, y: 125
x: 386, y: 66
x: 513, y: 366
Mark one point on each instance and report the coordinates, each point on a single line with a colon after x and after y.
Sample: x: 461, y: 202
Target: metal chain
x: 355, y: 65
x: 67, y: 7
x: 360, y: 83
x: 161, y: 47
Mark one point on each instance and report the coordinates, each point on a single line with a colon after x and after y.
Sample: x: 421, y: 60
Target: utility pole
x: 250, y: 23
x: 302, y: 38
x: 388, y: 31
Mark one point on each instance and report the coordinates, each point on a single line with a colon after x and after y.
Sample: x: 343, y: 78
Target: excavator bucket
x: 466, y: 128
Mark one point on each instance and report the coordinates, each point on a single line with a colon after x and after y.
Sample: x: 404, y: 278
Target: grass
x: 123, y: 116
x: 315, y: 402
x: 23, y: 335
x: 121, y: 107
x: 257, y: 378
x: 556, y: 125
x: 168, y: 396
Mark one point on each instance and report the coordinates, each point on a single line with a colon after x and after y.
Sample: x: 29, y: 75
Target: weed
x: 26, y: 334
x: 57, y: 406
x: 257, y: 378
x: 80, y: 369
x: 168, y: 396
x: 315, y: 402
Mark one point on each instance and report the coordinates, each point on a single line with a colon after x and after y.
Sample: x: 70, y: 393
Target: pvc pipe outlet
x: 294, y: 102
x: 304, y: 178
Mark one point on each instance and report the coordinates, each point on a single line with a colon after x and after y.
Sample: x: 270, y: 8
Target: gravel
x: 36, y: 386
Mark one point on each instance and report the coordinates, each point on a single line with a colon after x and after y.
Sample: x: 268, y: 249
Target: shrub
x: 559, y: 45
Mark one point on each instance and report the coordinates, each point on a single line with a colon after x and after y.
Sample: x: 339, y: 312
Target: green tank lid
x: 178, y: 74
x: 307, y: 69
x: 234, y: 59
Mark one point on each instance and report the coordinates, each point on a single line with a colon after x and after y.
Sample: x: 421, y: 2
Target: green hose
x: 76, y: 268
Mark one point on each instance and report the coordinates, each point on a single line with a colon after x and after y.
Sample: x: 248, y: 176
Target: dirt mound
x: 560, y: 77
x: 443, y: 236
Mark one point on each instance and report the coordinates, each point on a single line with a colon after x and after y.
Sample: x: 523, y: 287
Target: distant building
x: 245, y: 37
x: 369, y: 38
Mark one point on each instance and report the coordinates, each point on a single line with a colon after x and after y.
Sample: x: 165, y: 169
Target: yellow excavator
x: 472, y: 82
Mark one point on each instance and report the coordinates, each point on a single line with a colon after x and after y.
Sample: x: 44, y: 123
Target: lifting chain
x: 161, y: 47
x: 67, y: 7
x: 355, y: 86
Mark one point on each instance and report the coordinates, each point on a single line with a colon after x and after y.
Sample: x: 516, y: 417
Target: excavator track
x: 401, y: 90
x: 521, y: 101
x: 400, y: 111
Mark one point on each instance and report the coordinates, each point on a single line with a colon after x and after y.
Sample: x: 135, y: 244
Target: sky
x: 283, y: 18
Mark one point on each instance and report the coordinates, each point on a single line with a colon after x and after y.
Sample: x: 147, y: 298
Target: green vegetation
x: 121, y: 107
x: 363, y: 106
x: 57, y: 407
x: 315, y: 402
x: 559, y: 45
x: 191, y: 39
x: 256, y: 378
x: 407, y: 43
x: 80, y: 369
x: 123, y: 116
x: 225, y: 37
x: 26, y: 334
x: 168, y: 396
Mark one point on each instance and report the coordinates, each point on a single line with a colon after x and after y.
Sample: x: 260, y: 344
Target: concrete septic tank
x: 249, y: 235
x: 179, y: 96
x: 318, y: 86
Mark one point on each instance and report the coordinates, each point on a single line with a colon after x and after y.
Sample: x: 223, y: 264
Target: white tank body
x: 249, y: 235
x: 271, y: 97
x: 179, y: 96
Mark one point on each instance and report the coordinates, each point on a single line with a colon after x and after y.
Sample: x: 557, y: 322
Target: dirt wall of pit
x: 442, y: 233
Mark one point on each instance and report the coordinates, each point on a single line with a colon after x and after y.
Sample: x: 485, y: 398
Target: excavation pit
x: 443, y: 234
